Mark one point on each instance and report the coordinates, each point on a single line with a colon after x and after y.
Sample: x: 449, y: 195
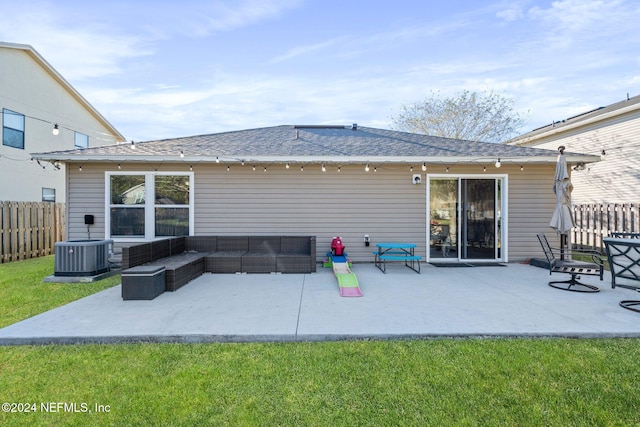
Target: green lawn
x: 24, y: 294
x: 487, y: 382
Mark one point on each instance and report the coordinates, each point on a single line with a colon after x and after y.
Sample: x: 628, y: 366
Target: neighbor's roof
x: 313, y: 144
x: 601, y: 113
x: 65, y: 84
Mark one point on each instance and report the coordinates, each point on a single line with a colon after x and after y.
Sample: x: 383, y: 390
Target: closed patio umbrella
x: 562, y: 220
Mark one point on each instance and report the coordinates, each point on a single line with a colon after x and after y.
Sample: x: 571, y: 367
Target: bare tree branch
x: 473, y: 116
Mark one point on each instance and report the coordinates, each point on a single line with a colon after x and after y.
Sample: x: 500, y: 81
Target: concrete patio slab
x: 508, y: 301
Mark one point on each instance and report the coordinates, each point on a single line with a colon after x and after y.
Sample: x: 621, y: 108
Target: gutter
x: 446, y: 160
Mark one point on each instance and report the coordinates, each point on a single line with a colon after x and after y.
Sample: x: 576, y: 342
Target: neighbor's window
x: 48, y: 195
x: 134, y: 214
x: 12, y: 129
x: 81, y: 140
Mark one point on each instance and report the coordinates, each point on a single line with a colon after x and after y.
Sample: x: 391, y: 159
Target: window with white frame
x: 81, y: 140
x: 149, y: 204
x: 12, y: 129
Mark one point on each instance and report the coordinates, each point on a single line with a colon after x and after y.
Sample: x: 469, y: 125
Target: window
x: 12, y: 129
x: 81, y: 140
x: 149, y: 205
x: 48, y: 195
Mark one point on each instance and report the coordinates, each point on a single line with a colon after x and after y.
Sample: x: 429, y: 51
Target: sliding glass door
x: 464, y: 218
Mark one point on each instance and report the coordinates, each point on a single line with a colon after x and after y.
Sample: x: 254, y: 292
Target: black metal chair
x: 575, y: 268
x: 623, y: 252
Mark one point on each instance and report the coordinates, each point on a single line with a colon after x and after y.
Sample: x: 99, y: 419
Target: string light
x: 366, y: 168
x: 286, y: 166
x: 521, y: 167
x: 254, y: 167
x: 324, y: 169
x: 119, y: 167
x: 133, y: 145
x: 498, y: 164
x: 57, y: 127
x: 79, y: 168
x: 181, y: 154
x: 301, y: 168
x: 424, y: 167
x: 217, y: 159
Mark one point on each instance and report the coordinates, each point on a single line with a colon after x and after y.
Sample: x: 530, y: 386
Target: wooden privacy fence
x: 597, y: 220
x: 30, y: 229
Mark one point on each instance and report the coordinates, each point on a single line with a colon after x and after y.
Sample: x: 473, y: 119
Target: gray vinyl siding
x: 383, y: 204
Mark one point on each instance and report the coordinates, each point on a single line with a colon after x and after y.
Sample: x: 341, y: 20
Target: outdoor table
x: 390, y: 251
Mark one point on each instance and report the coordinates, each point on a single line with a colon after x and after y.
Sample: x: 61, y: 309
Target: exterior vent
x: 82, y: 257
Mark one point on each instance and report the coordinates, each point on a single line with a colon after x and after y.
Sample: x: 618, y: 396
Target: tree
x: 486, y: 116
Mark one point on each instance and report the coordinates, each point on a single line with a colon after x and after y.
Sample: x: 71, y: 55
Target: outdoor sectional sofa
x: 186, y: 258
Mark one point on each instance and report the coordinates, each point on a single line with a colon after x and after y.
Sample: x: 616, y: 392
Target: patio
x: 497, y: 301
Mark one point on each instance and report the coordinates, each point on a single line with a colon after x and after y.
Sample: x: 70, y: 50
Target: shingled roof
x: 297, y: 143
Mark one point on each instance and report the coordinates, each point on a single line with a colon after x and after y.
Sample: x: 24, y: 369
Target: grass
x: 521, y: 382
x: 436, y: 382
x: 23, y: 293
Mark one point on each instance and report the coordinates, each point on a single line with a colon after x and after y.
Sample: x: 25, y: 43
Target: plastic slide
x: 347, y: 280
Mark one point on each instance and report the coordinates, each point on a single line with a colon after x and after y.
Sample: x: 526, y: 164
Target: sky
x: 158, y: 69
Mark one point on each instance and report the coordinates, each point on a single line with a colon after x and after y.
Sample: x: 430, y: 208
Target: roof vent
x: 354, y: 126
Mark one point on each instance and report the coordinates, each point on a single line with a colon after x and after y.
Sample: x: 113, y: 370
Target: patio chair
x: 623, y: 252
x: 574, y: 268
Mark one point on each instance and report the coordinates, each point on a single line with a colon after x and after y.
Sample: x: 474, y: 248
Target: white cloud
x: 77, y: 50
x: 512, y: 12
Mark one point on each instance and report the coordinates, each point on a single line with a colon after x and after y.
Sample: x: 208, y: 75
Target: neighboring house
x: 612, y: 133
x: 35, y: 98
x: 457, y: 200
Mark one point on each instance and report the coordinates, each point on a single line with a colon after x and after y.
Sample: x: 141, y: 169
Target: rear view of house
x: 456, y: 200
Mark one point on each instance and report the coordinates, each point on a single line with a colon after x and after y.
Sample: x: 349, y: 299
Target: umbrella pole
x: 563, y: 243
